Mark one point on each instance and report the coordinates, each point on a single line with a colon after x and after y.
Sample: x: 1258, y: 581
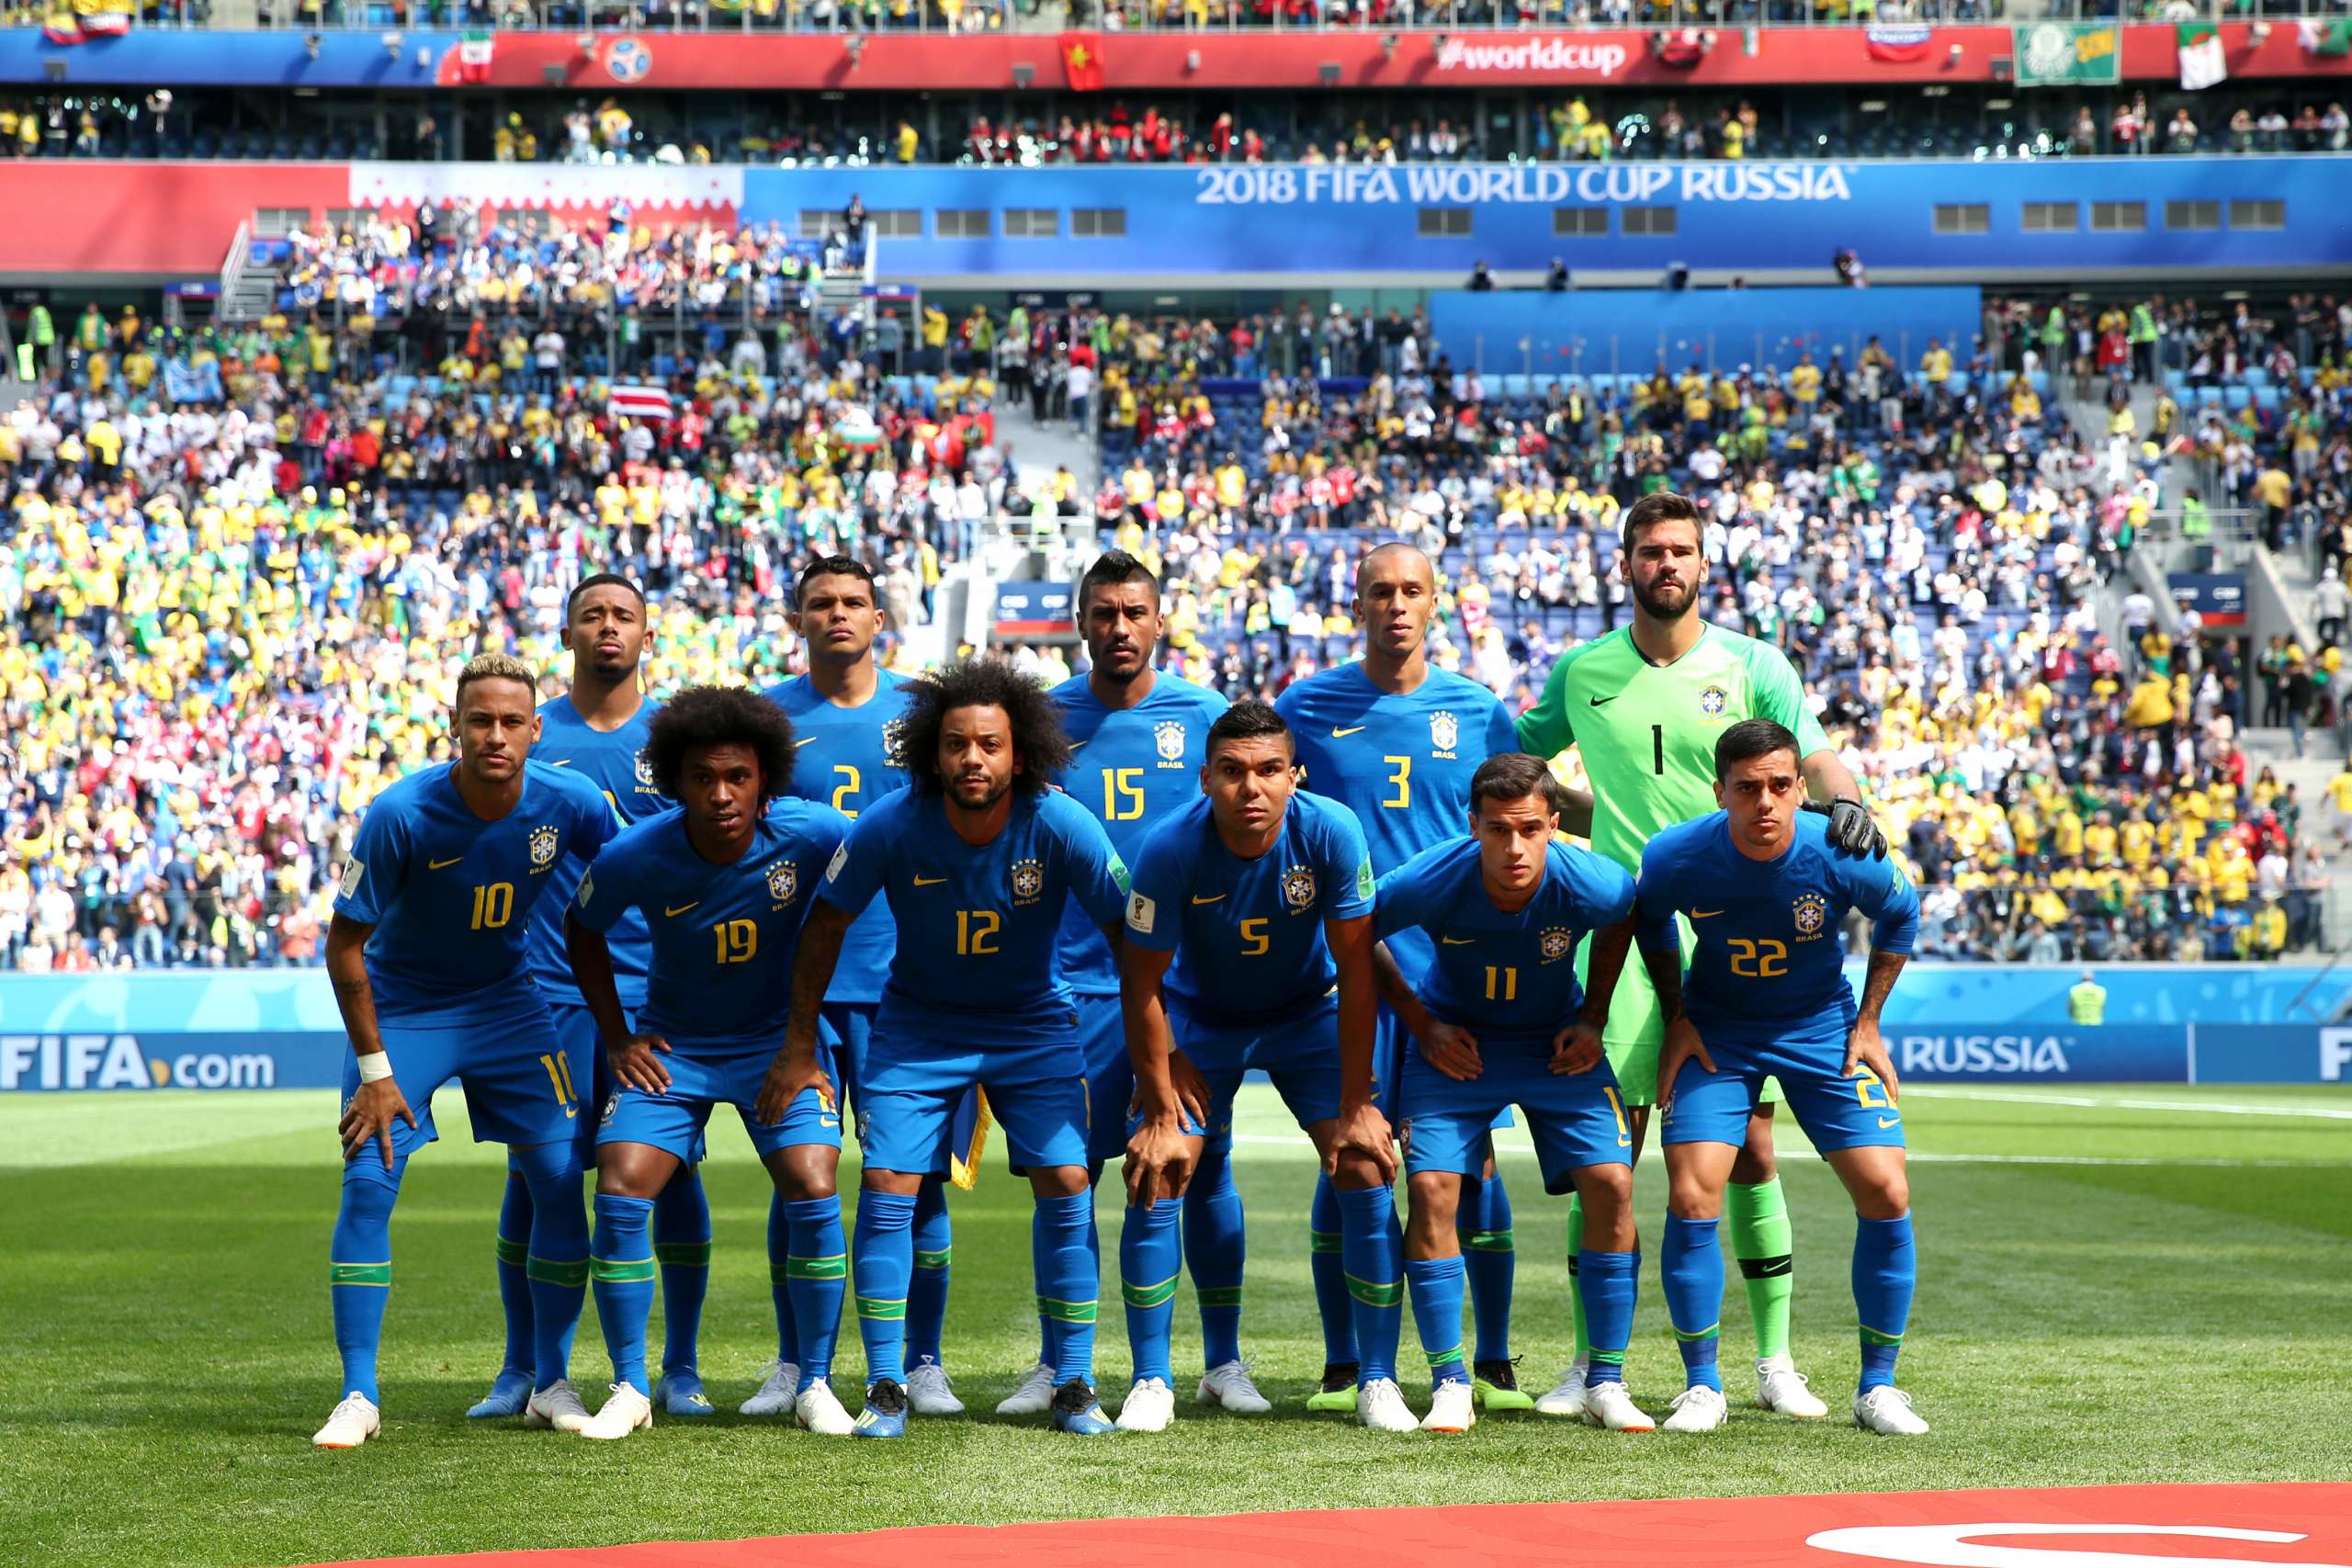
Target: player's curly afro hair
x: 986, y: 681
x: 719, y: 715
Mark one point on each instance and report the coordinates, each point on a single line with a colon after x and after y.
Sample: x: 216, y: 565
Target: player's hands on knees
x: 1160, y: 1161
x: 368, y: 1117
x: 1363, y: 1131
x: 1192, y: 1089
x: 638, y: 1062
x: 1681, y: 1044
x: 1864, y: 1048
x: 1576, y: 1049
x: 786, y: 1077
x: 1451, y: 1049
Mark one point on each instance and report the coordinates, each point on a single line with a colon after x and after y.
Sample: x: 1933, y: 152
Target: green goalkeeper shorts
x: 1635, y: 1032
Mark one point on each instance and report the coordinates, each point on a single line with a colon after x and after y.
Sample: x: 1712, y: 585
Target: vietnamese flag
x: 1083, y: 62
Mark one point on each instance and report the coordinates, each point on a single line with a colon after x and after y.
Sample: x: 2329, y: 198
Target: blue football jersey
x: 1247, y: 934
x: 1501, y: 972
x: 1402, y: 762
x: 1768, y: 950
x: 1132, y: 768
x: 974, y: 965
x: 723, y: 936
x: 450, y: 895
x: 848, y: 758
x: 613, y: 761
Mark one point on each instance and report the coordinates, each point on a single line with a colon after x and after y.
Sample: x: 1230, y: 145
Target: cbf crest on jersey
x: 1714, y: 703
x: 894, y: 743
x: 644, y: 770
x: 544, y: 843
x: 1812, y: 913
x: 1298, y: 888
x: 1557, y: 942
x: 1028, y: 881
x: 784, y: 882
x: 1168, y: 736
x: 1444, y: 730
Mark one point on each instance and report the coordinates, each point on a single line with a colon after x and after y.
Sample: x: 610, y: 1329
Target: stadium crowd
x: 239, y: 567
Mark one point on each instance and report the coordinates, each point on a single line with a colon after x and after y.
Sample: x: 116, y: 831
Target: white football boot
x: 1380, y: 1405
x: 1231, y: 1386
x: 1149, y: 1407
x: 1033, y: 1395
x: 1698, y: 1409
x: 1887, y: 1411
x: 1784, y: 1391
x: 1451, y: 1408
x: 351, y: 1423
x: 626, y: 1411
x: 779, y: 1387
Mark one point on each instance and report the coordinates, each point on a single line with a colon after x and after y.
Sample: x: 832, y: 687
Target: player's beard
x: 997, y: 789
x: 1657, y: 610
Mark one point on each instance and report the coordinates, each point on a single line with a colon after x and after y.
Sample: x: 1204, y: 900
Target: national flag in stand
x: 2202, y: 64
x: 1682, y: 47
x: 636, y: 400
x: 1083, y: 62
x: 2331, y: 37
x: 474, y: 51
x: 1899, y: 45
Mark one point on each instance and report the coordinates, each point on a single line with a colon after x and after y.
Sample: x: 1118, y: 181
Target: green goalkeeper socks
x: 1576, y: 1296
x: 1760, y: 1240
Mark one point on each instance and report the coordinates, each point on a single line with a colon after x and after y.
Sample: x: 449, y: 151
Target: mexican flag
x: 2332, y: 37
x: 2201, y: 63
x: 473, y: 55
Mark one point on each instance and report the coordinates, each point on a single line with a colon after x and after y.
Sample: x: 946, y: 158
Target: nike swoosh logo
x: 1198, y: 899
x: 1339, y: 734
x: 1458, y: 941
x: 438, y: 864
x: 1604, y: 702
x: 1076, y: 745
x: 929, y: 881
x: 1705, y: 914
x: 680, y: 909
x: 1888, y: 1121
x: 560, y: 762
x: 806, y: 741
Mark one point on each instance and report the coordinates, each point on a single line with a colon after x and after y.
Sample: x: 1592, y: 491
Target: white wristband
x: 375, y: 1067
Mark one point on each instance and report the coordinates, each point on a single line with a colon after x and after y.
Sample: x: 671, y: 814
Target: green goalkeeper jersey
x: 1646, y: 732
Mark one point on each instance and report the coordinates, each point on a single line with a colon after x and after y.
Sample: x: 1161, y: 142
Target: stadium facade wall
x: 1371, y: 57
x: 1588, y: 331
x: 1300, y: 225
x: 278, y: 1028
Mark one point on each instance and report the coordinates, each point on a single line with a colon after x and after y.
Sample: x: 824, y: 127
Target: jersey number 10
x: 494, y: 905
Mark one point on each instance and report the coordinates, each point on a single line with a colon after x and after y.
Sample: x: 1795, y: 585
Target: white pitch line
x: 1922, y: 1156
x: 2098, y: 1102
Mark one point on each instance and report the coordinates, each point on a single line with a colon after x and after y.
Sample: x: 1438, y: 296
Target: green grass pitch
x: 2118, y: 1284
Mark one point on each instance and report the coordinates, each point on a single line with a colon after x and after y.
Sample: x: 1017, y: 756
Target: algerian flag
x: 473, y: 55
x: 2201, y: 63
x: 2332, y: 37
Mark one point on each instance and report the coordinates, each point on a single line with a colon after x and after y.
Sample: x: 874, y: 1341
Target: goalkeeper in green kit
x: 1642, y: 705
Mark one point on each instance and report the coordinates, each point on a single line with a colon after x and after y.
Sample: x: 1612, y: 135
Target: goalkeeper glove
x: 1850, y: 828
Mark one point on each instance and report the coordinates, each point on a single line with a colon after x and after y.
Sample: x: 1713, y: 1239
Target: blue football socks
x: 682, y: 1247
x: 359, y: 1265
x: 1216, y: 1250
x: 1436, y: 1285
x: 622, y: 1269
x: 1608, y: 1281
x: 1063, y: 1251
x: 934, y: 1258
x: 558, y: 1264
x: 1693, y: 1266
x: 1484, y: 1227
x: 816, y: 1274
x: 1373, y: 1251
x: 885, y: 1260
x: 1886, y: 1270
x: 1327, y: 1262
x: 1150, y: 1249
